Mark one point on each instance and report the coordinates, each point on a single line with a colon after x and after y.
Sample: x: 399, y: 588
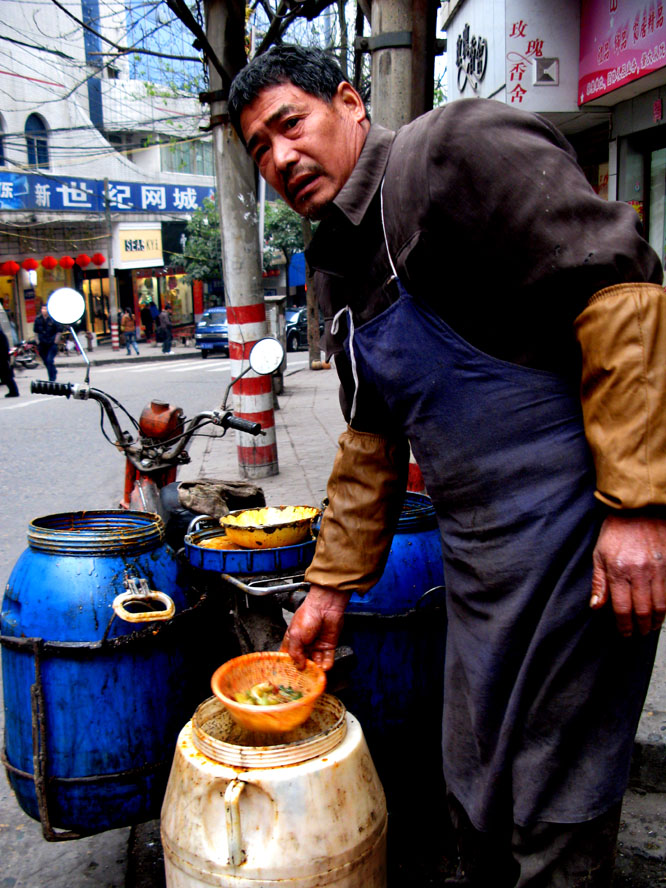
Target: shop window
x: 36, y: 140
x: 177, y: 292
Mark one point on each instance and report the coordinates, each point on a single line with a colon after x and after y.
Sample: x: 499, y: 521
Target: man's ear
x: 346, y: 98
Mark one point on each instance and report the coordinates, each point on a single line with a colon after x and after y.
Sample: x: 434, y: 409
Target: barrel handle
x: 201, y: 521
x: 232, y: 793
x: 146, y: 616
x: 255, y: 587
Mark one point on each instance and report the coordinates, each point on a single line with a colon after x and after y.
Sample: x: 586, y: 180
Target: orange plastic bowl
x: 242, y: 673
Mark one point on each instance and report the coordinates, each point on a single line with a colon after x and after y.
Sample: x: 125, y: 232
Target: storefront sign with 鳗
x: 620, y: 41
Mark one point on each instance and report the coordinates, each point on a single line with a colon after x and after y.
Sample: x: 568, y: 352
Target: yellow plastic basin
x: 271, y: 527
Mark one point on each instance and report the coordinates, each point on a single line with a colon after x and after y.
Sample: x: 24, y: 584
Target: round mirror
x: 266, y: 356
x: 65, y: 306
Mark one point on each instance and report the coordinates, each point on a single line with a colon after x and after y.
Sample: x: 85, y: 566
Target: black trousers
x: 546, y: 855
x: 7, y: 378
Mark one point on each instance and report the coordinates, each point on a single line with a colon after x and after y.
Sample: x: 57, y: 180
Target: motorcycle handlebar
x: 134, y: 449
x: 44, y: 387
x: 242, y: 425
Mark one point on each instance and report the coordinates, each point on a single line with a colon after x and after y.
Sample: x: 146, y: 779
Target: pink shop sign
x: 620, y: 41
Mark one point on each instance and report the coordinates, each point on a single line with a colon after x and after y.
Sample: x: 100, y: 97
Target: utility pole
x: 403, y: 48
x: 113, y: 298
x: 241, y: 260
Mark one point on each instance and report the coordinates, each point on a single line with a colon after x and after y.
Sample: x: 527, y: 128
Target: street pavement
x: 308, y: 424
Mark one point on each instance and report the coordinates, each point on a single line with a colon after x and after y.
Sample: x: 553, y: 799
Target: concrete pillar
x: 241, y: 260
x: 402, y: 46
x: 391, y: 97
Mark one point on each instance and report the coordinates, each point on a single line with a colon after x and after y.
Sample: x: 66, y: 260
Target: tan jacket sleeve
x: 622, y: 334
x: 365, y: 495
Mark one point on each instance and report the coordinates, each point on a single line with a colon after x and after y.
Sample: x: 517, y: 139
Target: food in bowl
x: 265, y: 693
x: 218, y: 542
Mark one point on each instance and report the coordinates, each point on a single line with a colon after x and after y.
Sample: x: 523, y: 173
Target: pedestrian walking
x: 6, y: 369
x: 128, y: 326
x: 48, y: 336
x: 532, y: 395
x: 164, y: 331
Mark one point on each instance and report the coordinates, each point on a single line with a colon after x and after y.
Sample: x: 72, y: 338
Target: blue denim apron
x: 542, y: 695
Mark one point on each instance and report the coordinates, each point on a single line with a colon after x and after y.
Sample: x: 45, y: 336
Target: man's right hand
x: 315, y: 627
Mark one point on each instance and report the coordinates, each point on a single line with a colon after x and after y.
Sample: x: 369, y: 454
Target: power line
x: 124, y: 49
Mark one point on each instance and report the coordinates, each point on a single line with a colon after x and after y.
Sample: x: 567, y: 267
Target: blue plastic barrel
x: 397, y: 631
x: 94, y: 703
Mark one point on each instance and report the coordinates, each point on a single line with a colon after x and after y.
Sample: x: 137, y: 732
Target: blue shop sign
x: 20, y: 191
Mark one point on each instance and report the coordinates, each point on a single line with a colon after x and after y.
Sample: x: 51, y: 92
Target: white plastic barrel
x: 304, y: 814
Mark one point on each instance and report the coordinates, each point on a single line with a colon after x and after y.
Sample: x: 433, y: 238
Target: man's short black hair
x: 312, y: 70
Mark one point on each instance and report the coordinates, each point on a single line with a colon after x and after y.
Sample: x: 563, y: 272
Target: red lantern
x: 83, y: 260
x: 98, y: 259
x: 9, y: 267
x: 49, y: 262
x: 66, y: 262
x: 30, y: 264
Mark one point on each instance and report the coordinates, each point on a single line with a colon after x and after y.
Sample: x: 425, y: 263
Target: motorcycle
x: 157, y: 445
x: 154, y: 450
x: 23, y: 356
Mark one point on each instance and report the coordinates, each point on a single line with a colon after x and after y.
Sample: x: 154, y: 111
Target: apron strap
x: 388, y: 251
x: 334, y: 329
x: 336, y: 320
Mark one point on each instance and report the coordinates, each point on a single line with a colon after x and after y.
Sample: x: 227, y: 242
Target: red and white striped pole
x: 241, y: 259
x: 253, y: 395
x: 415, y: 482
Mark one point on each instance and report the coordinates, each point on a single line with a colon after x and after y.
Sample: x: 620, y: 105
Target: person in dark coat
x: 147, y: 321
x: 164, y: 331
x: 47, y: 332
x: 6, y: 369
x: 532, y: 395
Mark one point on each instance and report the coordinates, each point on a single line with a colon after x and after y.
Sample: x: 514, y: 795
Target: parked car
x: 211, y: 333
x: 296, y: 329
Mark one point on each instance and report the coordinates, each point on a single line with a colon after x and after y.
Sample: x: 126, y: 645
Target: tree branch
x: 179, y: 9
x: 124, y: 49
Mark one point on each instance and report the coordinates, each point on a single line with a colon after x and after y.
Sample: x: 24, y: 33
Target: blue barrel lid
x: 107, y: 532
x: 418, y: 513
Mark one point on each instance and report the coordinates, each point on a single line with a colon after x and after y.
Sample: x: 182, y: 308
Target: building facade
x: 595, y: 68
x: 102, y: 159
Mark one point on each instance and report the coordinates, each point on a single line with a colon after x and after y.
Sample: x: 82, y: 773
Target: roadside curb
x: 648, y: 764
x: 138, y: 359
x: 125, y: 359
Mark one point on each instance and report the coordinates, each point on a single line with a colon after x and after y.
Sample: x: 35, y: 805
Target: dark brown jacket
x: 491, y: 221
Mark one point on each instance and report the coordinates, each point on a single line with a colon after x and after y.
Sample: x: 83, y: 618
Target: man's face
x: 305, y: 148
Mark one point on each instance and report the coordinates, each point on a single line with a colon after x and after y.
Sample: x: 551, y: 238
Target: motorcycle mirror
x: 66, y: 306
x: 266, y: 356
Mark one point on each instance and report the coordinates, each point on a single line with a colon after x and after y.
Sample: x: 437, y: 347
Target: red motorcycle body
x: 159, y: 421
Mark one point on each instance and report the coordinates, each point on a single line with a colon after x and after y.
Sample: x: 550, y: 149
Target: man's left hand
x: 630, y: 566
